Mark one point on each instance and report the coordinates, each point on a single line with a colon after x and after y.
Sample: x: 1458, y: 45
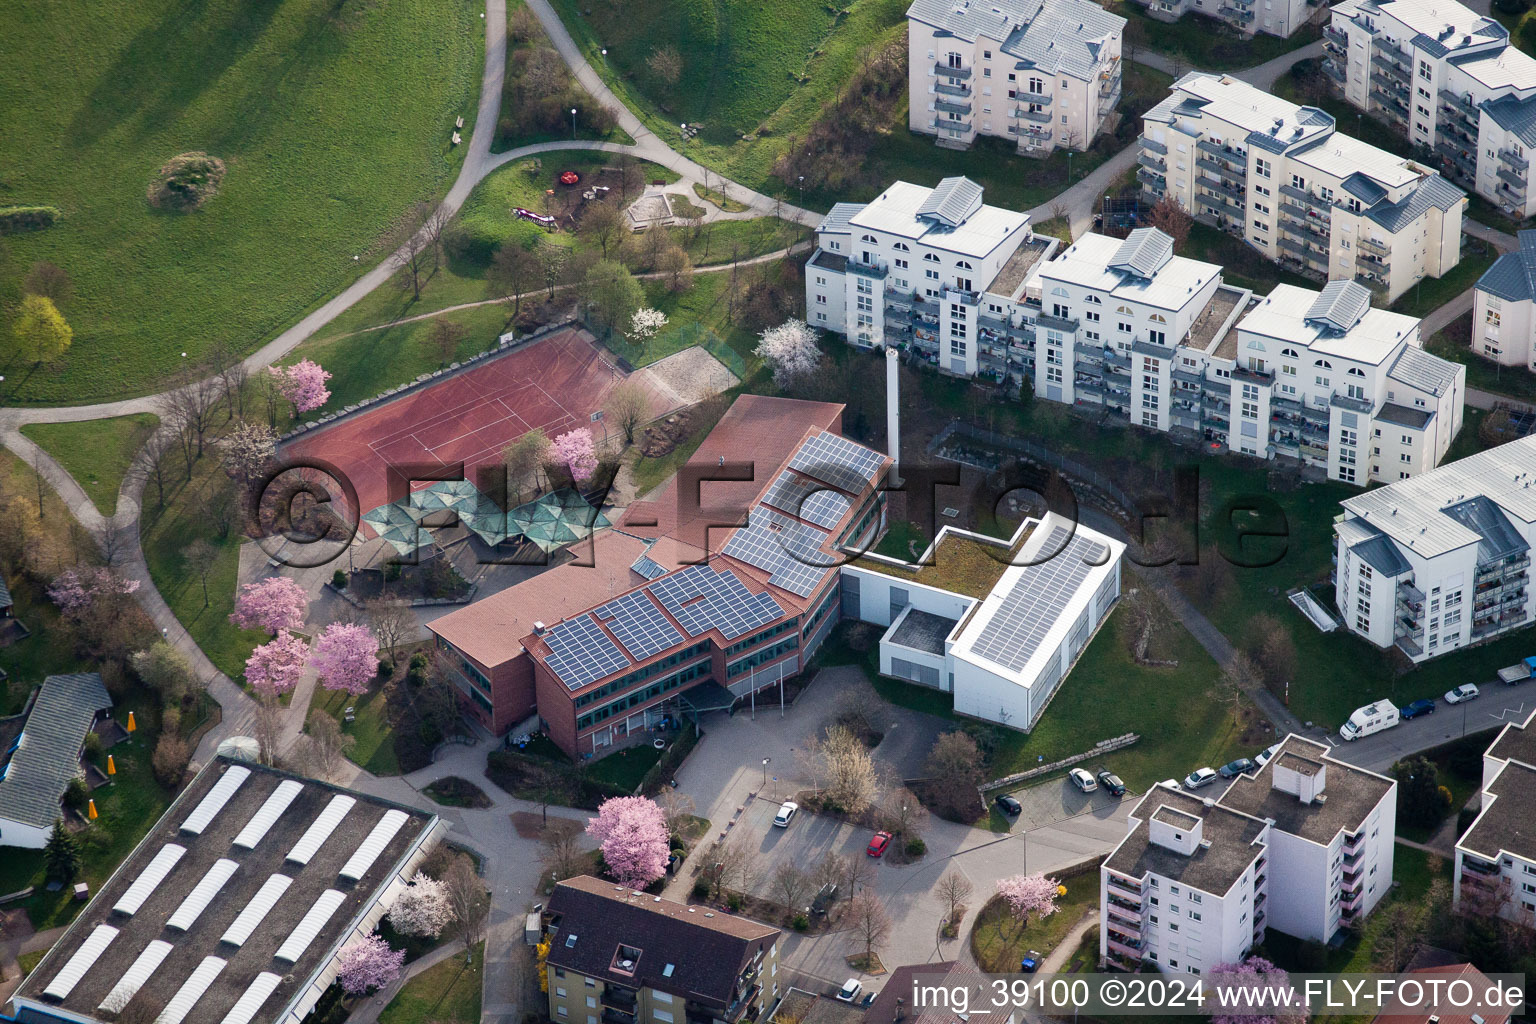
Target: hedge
x: 26, y: 218
x: 670, y: 761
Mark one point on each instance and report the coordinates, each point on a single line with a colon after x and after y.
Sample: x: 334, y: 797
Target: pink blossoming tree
x: 574, y: 450
x: 634, y: 838
x: 347, y: 657
x: 272, y: 604
x: 303, y: 384
x: 274, y: 668
x: 1256, y: 974
x: 369, y: 965
x: 75, y: 590
x: 1029, y: 894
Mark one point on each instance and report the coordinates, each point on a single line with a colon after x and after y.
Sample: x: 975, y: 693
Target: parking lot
x: 1049, y: 802
x: 807, y: 840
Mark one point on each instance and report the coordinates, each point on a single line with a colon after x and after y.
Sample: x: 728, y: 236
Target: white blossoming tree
x: 422, y: 908
x: 645, y: 324
x: 791, y: 350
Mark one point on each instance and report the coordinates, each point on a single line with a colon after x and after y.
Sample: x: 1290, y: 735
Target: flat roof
x: 1229, y: 843
x: 253, y: 867
x: 1086, y: 263
x: 1352, y: 793
x: 1516, y: 742
x: 895, y: 212
x: 1024, y: 259
x: 1508, y: 821
x: 961, y: 563
x: 1283, y: 315
x: 1216, y: 315
x: 922, y: 631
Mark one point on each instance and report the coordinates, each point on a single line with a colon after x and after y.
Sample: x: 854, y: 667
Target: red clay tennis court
x: 556, y: 383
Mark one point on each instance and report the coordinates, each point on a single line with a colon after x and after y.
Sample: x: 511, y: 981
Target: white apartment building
x: 1450, y: 80
x: 1504, y: 308
x: 1318, y: 377
x: 1439, y: 561
x: 1280, y: 177
x: 1041, y: 73
x: 1275, y: 17
x: 1303, y: 845
x: 1496, y: 857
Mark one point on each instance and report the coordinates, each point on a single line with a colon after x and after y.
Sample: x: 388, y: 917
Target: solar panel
x: 246, y: 1006
x: 214, y: 800
x: 149, y: 879
x: 838, y: 461
x: 309, y: 926
x: 320, y: 829
x: 191, y: 991
x: 358, y: 864
x: 786, y: 549
x: 639, y: 625
x: 134, y: 978
x: 702, y: 598
x: 94, y: 945
x: 580, y: 652
x: 256, y: 910
x: 202, y: 893
x: 1038, y: 597
x: 807, y: 499
x: 262, y: 821
x: 647, y: 568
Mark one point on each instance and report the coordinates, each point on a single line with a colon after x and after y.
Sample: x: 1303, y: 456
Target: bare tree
x: 1399, y: 933
x: 418, y: 246
x: 269, y: 727
x: 603, y: 226
x: 678, y: 808
x: 904, y: 814
x: 666, y: 64
x: 328, y: 743
x: 735, y: 867
x: 231, y: 370
x: 467, y: 896
x: 49, y: 280
x: 790, y: 887
x: 524, y: 459
x: 626, y: 409
x: 868, y: 924
x: 562, y: 855
x: 1171, y: 219
x: 954, y: 765
x: 153, y: 457
x: 511, y: 273
x: 200, y: 557
x: 190, y: 407
x: 954, y: 889
x: 112, y: 541
x: 849, y: 770
x: 856, y: 873
x: 673, y: 261
x: 444, y: 336
x: 391, y: 620
x: 1272, y: 650
x: 1228, y: 689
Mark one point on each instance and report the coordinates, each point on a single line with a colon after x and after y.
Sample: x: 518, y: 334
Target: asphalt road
x: 1496, y: 705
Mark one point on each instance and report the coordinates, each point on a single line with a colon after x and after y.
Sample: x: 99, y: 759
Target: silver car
x: 1083, y: 780
x: 1200, y: 777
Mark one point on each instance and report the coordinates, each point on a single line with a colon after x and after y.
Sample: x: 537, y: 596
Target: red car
x: 878, y: 844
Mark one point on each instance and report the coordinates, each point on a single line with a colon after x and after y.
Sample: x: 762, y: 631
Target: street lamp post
x: 573, y: 123
x: 765, y: 771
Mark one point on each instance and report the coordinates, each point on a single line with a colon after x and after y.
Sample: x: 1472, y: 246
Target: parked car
x: 1083, y: 780
x: 1030, y: 963
x: 1466, y: 691
x: 1232, y: 769
x: 1112, y: 784
x: 1264, y: 755
x: 878, y: 844
x: 825, y: 897
x: 1200, y: 777
x: 1007, y: 804
x: 850, y: 990
x: 786, y: 813
x: 1417, y: 708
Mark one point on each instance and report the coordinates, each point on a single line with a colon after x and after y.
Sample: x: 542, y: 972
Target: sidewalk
x: 369, y: 1009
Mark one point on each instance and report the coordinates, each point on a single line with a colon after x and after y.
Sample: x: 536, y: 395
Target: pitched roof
x: 1433, y: 191
x: 1513, y: 275
x: 1515, y: 115
x: 1143, y: 253
x: 1499, y: 538
x: 1340, y: 305
x: 1381, y: 554
x: 838, y: 217
x: 952, y: 201
x: 1054, y: 36
x: 1424, y: 370
x: 48, y: 754
x: 688, y: 951
x: 1446, y: 1012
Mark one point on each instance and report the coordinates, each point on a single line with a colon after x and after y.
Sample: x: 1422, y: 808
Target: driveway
x: 1049, y: 802
x: 1496, y: 705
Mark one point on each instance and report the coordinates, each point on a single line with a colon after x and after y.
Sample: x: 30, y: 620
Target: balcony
x: 1155, y: 147
x: 1109, y: 84
x: 1389, y: 100
x: 1478, y: 867
x: 1037, y: 116
x: 946, y: 70
x: 1332, y: 70
x: 612, y: 1016
x: 1252, y: 376
x: 1461, y: 105
x: 1335, y: 36
x: 1389, y: 70
x: 1231, y: 12
x: 1384, y: 45
x: 1509, y: 157
x: 1515, y: 179
x: 945, y: 106
x: 1339, y: 401
x: 1153, y: 163
x: 945, y: 89
x: 1124, y: 886
x: 1373, y: 246
x: 1234, y: 161
x: 1232, y: 192
x: 1220, y: 207
x: 955, y: 127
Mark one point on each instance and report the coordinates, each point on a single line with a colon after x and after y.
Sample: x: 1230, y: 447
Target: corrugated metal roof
x: 1433, y: 191
x: 214, y: 800
x: 49, y: 752
x: 74, y: 969
x: 1499, y: 538
x: 838, y: 217
x: 1424, y: 371
x: 1513, y: 275
x: 1144, y: 252
x: 1380, y: 554
x: 952, y: 201
x: 1054, y: 36
x: 1515, y: 115
x: 1363, y: 188
x: 1339, y: 306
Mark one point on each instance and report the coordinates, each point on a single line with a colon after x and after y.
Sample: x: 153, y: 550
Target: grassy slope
x: 445, y: 993
x: 998, y: 942
x: 375, y: 750
x: 97, y: 453
x: 332, y: 116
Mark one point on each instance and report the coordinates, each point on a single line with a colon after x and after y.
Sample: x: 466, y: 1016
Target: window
x: 1261, y: 167
x: 1297, y: 181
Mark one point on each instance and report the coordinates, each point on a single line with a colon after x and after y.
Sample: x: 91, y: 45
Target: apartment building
x: 1274, y: 17
x: 1283, y: 179
x: 1504, y: 308
x: 1449, y: 79
x: 1496, y: 857
x: 1437, y: 562
x: 623, y: 957
x: 1044, y: 74
x: 1302, y: 845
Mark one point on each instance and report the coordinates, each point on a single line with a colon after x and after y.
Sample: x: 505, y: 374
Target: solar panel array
x: 191, y: 991
x: 214, y: 800
x: 702, y: 598
x: 580, y: 652
x: 90, y: 950
x: 135, y: 976
x: 149, y: 879
x: 1037, y: 599
x: 298, y: 940
x: 647, y: 568
x: 266, y: 816
x: 782, y: 547
x: 808, y: 499
x: 202, y: 894
x: 638, y: 624
x: 840, y: 462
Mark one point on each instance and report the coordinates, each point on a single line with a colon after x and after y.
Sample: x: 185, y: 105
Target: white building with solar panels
x: 235, y: 906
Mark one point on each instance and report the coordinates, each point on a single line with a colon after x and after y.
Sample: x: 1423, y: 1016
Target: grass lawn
x: 1242, y: 265
x: 1484, y: 212
x: 97, y: 453
x: 445, y: 993
x: 1203, y: 43
x: 998, y: 943
x: 28, y: 961
x: 507, y: 137
x: 717, y: 198
x: 1454, y: 343
x: 626, y: 768
x: 332, y: 118
x: 375, y: 747
x: 166, y: 534
x: 1433, y: 292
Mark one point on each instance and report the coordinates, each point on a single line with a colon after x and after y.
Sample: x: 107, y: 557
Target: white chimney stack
x: 893, y: 413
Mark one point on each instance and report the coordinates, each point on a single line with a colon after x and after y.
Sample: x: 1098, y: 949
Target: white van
x: 1371, y: 719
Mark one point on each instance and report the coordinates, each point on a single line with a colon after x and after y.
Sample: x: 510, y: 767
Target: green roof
x: 961, y: 564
